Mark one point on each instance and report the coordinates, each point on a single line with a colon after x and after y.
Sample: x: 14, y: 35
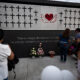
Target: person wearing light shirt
x: 5, y: 53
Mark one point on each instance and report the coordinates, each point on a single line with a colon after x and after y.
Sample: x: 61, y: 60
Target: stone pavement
x: 31, y: 68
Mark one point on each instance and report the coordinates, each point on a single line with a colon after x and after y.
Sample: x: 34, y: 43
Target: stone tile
x: 30, y: 69
x: 20, y: 69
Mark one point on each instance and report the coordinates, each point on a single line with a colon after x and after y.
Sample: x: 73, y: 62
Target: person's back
x: 5, y: 52
x: 63, y: 44
x: 62, y: 39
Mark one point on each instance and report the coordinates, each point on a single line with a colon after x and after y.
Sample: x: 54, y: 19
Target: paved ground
x: 30, y: 68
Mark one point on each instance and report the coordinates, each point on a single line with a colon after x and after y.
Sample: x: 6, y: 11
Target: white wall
x: 48, y: 17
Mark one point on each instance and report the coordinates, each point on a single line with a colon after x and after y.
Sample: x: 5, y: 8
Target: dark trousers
x: 63, y: 52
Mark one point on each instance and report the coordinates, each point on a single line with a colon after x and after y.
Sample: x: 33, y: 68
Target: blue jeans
x: 6, y: 79
x: 63, y: 52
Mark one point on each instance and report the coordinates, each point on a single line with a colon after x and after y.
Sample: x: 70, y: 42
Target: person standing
x: 64, y: 40
x: 5, y: 53
x: 78, y: 54
x: 75, y: 41
x: 78, y: 64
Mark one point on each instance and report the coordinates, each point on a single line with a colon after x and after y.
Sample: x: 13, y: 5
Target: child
x: 72, y: 48
x: 40, y: 50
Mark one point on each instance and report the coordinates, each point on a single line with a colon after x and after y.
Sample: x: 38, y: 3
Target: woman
x: 63, y: 44
x: 5, y: 52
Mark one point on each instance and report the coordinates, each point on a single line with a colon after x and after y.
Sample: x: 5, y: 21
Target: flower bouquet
x: 33, y: 52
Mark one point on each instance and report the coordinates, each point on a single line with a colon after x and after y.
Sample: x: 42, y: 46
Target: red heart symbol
x: 49, y: 17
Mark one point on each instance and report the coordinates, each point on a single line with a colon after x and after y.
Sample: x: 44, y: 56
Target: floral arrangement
x: 33, y: 52
x: 51, y: 53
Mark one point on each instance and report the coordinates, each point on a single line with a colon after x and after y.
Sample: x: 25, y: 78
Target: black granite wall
x: 22, y: 41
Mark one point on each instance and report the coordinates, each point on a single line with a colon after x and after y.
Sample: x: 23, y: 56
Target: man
x: 5, y: 53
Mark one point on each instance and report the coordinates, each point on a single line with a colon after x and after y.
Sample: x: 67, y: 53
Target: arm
x: 11, y: 57
x: 58, y: 38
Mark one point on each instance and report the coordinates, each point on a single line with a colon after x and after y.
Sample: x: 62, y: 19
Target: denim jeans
x: 6, y: 79
x: 63, y: 52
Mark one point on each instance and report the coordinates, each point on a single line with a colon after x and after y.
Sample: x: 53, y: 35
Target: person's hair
x: 77, y: 30
x: 1, y: 34
x: 66, y: 33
